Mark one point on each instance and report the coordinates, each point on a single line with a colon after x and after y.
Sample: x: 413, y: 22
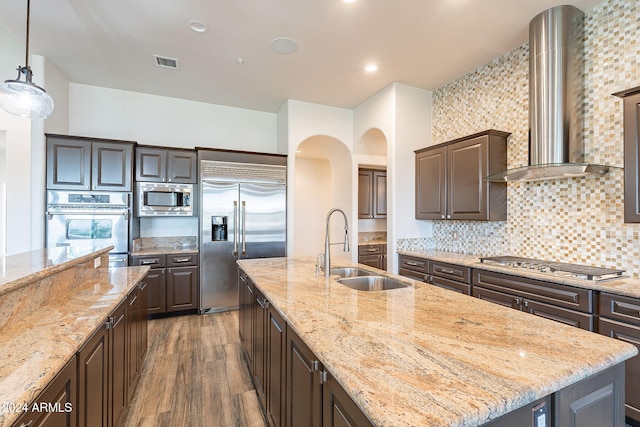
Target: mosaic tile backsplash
x: 572, y: 220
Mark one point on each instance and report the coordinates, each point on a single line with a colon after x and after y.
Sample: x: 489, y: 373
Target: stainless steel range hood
x: 556, y: 96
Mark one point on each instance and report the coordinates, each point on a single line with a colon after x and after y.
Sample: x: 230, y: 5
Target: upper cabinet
x: 163, y: 165
x: 450, y: 178
x: 631, y: 154
x: 75, y: 163
x: 372, y: 193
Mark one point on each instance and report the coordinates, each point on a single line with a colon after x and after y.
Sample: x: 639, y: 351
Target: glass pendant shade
x: 24, y: 98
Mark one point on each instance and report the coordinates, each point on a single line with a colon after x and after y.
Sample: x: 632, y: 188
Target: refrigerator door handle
x: 236, y: 220
x: 244, y: 217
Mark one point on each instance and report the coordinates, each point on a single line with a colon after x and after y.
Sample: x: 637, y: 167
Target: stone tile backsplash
x: 572, y: 220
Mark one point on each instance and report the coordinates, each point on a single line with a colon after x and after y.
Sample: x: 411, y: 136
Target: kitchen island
x: 424, y: 356
x: 52, y: 300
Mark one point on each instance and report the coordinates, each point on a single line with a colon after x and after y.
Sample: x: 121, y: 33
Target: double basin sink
x: 363, y: 280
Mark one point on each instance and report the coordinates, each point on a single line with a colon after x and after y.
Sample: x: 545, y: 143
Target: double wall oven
x: 90, y: 219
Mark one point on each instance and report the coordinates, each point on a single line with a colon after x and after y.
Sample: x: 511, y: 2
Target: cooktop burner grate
x: 558, y: 268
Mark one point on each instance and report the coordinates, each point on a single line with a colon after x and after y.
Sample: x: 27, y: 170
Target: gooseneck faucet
x: 327, y: 245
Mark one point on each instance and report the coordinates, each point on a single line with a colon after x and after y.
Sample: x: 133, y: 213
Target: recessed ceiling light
x: 197, y: 26
x: 371, y: 68
x: 240, y: 61
x: 284, y: 45
x: 349, y: 1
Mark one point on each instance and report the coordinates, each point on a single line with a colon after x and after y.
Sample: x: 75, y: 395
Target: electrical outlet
x: 454, y: 235
x: 97, y: 262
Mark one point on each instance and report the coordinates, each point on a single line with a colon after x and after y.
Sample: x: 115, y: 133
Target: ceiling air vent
x: 163, y: 61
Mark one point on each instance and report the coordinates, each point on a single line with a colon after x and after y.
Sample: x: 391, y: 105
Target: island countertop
x: 423, y: 355
x: 49, y: 312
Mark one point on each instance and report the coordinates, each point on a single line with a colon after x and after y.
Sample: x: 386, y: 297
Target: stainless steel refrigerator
x: 243, y: 215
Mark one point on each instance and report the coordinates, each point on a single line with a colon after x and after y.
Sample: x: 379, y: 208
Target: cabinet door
x: 182, y: 288
x: 304, y: 389
x: 118, y: 397
x: 559, y: 314
x: 338, y: 408
x: 259, y: 343
x: 379, y: 194
x: 68, y: 164
x: 467, y: 192
x: 182, y: 167
x: 93, y: 388
x: 451, y: 285
x: 630, y: 334
x: 143, y: 322
x: 111, y: 166
x: 156, y: 282
x: 245, y: 319
x: 371, y: 260
x: 151, y: 164
x: 276, y: 357
x: 133, y: 338
x: 365, y: 194
x: 632, y: 158
x: 61, y: 392
x: 431, y: 186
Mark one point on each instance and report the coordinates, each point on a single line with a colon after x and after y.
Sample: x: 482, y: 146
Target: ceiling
x: 421, y: 43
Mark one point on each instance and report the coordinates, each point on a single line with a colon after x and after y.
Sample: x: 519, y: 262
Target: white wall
x: 157, y: 120
x: 311, y: 206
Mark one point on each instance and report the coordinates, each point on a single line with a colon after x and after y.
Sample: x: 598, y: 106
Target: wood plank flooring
x: 195, y: 375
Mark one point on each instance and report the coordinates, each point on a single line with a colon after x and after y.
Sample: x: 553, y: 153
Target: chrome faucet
x: 327, y: 245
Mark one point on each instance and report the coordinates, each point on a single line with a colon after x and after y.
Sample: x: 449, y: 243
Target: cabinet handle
x: 372, y: 250
x: 148, y: 261
x: 518, y: 301
x: 315, y: 365
x: 411, y: 263
x: 27, y: 424
x: 109, y: 323
x: 243, y: 277
x: 249, y: 288
x: 448, y: 216
x: 323, y: 377
x: 526, y: 303
x: 442, y: 216
x: 444, y: 270
x: 178, y: 260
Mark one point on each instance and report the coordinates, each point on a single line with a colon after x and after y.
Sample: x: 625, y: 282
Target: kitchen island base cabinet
x: 338, y: 408
x: 303, y: 385
x: 61, y: 393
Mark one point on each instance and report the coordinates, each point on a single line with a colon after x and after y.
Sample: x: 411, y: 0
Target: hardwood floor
x: 195, y: 375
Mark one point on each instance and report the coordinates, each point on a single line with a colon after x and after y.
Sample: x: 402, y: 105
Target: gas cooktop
x: 561, y: 269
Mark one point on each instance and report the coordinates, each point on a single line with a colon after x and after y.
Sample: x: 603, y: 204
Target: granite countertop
x: 172, y: 245
x: 373, y: 242
x: 25, y: 268
x: 169, y: 250
x: 626, y: 286
x: 423, y: 355
x: 38, y: 341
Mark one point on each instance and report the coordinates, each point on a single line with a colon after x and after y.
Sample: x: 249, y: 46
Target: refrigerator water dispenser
x: 218, y: 228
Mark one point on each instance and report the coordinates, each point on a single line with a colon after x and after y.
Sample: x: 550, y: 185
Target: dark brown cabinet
x: 276, y: 369
x: 562, y: 303
x: 303, y: 384
x: 453, y: 277
x: 620, y: 319
x: 118, y: 380
x: 61, y: 392
x: 245, y: 315
x: 413, y: 267
x: 450, y: 179
x: 172, y: 280
x: 373, y: 256
x: 164, y: 165
x: 338, y: 410
x: 76, y: 163
x: 372, y: 193
x: 259, y: 369
x: 631, y: 100
x: 137, y: 334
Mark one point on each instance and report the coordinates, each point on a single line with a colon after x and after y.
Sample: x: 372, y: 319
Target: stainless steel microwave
x: 162, y: 199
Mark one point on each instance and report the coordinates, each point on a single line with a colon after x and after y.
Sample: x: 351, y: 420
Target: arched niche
x: 323, y: 180
x: 373, y: 143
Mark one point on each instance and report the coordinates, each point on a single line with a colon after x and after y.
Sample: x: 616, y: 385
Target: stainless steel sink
x: 349, y: 272
x: 372, y: 283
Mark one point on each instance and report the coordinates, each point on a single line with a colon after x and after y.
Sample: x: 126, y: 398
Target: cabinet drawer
x: 451, y: 285
x: 155, y: 261
x: 182, y: 260
x: 415, y: 264
x: 562, y: 315
x: 412, y: 274
x: 552, y: 293
x: 371, y: 249
x: 617, y: 307
x: 450, y: 271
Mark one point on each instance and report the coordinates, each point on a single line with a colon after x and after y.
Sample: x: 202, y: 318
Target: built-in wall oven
x: 90, y: 219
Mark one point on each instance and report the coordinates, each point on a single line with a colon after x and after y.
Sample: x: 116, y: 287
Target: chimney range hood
x: 556, y: 96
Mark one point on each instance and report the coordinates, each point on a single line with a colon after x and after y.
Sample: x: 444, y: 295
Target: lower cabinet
x: 137, y: 334
x: 62, y: 392
x: 173, y: 282
x: 291, y: 384
x: 373, y: 256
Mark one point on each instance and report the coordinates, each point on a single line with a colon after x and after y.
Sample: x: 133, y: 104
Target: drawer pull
x: 445, y: 271
x: 414, y: 264
x: 372, y: 250
x: 181, y: 260
x: 148, y: 261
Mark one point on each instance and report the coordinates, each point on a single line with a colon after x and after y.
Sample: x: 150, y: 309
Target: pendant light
x: 25, y: 98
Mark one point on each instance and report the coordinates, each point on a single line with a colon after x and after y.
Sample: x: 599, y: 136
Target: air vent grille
x: 245, y: 172
x: 165, y: 62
